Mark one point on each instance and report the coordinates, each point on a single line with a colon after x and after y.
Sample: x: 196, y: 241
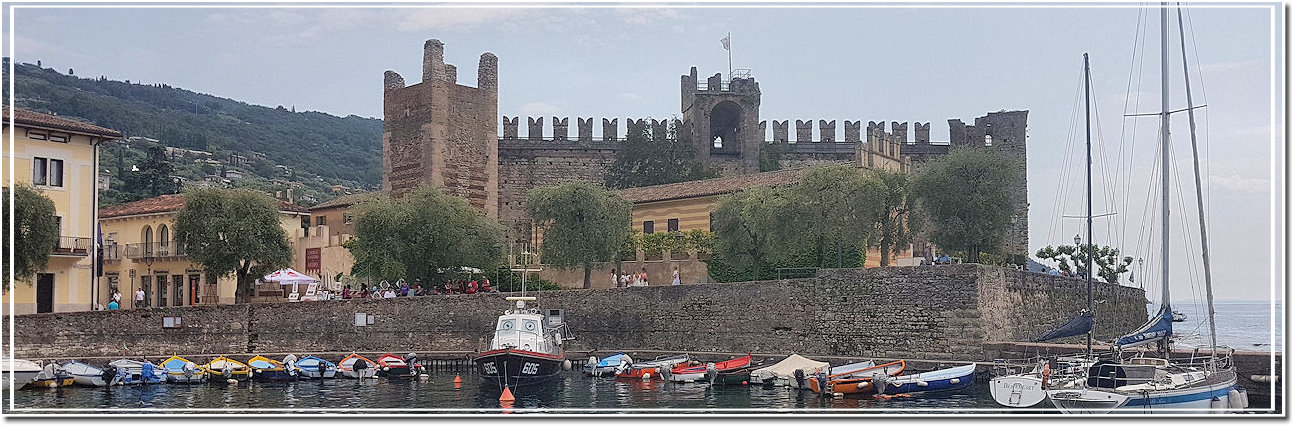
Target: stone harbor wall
x: 943, y: 312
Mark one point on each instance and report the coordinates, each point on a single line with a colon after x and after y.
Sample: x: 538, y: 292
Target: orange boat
x: 858, y: 381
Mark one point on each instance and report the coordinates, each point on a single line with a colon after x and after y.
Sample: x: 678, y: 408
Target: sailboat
x: 1143, y: 384
x: 1024, y: 385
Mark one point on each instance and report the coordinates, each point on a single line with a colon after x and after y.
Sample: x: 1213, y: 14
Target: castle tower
x: 721, y: 119
x: 442, y: 133
x: 1003, y: 131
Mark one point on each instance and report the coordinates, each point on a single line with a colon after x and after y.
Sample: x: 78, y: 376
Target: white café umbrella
x: 290, y: 276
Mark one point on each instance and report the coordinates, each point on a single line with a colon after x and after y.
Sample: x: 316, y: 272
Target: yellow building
x: 140, y: 254
x: 320, y: 250
x: 685, y: 206
x: 59, y: 157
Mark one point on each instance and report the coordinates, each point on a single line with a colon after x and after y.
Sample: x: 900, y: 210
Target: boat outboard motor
x: 711, y: 372
x: 359, y: 366
x: 109, y: 375
x: 799, y: 379
x: 412, y: 360
x: 823, y: 387
x: 879, y: 383
x: 228, y: 371
x: 189, y: 368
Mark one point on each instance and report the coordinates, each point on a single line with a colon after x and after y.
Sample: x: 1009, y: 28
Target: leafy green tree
x: 233, y: 232
x: 967, y: 199
x: 839, y: 206
x: 750, y: 227
x: 643, y: 159
x: 892, y: 227
x: 582, y: 224
x: 154, y: 175
x: 423, y: 236
x: 34, y: 231
x: 1070, y: 260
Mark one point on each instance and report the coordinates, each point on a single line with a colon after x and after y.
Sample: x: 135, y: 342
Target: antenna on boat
x: 1163, y: 166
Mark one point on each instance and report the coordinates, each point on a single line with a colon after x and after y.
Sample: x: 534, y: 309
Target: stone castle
x: 446, y: 134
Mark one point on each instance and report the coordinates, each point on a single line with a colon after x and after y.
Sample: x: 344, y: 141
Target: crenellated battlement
x: 559, y: 130
x: 826, y: 132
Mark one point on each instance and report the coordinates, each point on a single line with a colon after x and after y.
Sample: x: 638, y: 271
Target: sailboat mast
x: 1087, y: 99
x: 1164, y: 151
x: 1199, y: 193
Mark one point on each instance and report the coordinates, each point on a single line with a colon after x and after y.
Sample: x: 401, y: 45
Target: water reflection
x: 441, y: 393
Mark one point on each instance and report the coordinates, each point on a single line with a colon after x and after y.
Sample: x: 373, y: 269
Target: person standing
x: 643, y: 277
x: 139, y: 299
x: 112, y: 306
x: 615, y: 279
x: 676, y: 279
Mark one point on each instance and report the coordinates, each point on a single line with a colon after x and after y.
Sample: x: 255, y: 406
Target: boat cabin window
x: 507, y: 325
x: 531, y: 325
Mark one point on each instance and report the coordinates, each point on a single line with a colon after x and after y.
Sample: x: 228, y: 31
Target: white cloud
x: 453, y: 18
x: 646, y: 15
x: 1241, y: 184
x: 539, y: 109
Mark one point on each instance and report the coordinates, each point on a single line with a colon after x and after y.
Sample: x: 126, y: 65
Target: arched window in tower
x: 163, y: 237
x: 725, y: 126
x: 988, y: 140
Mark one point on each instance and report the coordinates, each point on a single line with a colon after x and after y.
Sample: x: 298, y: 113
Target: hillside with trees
x: 314, y: 148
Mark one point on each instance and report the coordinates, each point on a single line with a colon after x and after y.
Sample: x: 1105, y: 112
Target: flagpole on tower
x: 727, y: 40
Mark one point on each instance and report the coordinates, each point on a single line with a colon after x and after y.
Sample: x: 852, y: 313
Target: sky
x: 897, y: 62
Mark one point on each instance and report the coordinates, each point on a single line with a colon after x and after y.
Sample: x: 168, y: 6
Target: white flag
x: 725, y: 42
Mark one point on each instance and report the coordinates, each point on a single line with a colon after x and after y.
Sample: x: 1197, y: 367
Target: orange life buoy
x: 1046, y: 374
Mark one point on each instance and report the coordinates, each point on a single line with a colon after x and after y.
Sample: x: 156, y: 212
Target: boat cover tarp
x: 1159, y: 327
x: 786, y: 368
x: 1079, y: 325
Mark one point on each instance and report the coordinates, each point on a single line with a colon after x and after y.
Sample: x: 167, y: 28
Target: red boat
x: 652, y: 368
x: 393, y: 366
x: 687, y: 373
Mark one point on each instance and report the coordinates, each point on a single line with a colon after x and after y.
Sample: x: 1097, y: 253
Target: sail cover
x: 1159, y: 327
x: 1079, y: 325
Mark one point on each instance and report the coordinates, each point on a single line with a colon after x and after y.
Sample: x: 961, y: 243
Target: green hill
x: 321, y: 149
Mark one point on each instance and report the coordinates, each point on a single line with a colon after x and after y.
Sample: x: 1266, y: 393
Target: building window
x: 305, y: 222
x: 711, y: 222
x: 671, y: 225
x: 988, y: 140
x: 57, y: 137
x: 347, y: 218
x: 321, y: 220
x: 47, y: 171
x: 37, y: 135
x: 649, y: 226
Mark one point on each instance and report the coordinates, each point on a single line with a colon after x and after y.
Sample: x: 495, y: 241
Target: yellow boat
x: 227, y: 368
x: 180, y: 370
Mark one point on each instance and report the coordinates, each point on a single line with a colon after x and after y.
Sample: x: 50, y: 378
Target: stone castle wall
x: 945, y: 312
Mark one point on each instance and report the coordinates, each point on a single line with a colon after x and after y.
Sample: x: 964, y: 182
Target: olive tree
x: 34, y: 230
x: 583, y: 225
x: 233, y: 232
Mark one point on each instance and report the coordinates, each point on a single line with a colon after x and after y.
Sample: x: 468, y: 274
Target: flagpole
x: 729, y: 49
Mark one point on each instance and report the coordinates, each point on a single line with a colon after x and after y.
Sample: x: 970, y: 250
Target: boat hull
x: 366, y: 373
x: 732, y: 379
x: 1195, y: 400
x: 937, y: 385
x: 274, y: 376
x: 395, y: 372
x: 21, y: 379
x: 1017, y: 390
x: 513, y: 367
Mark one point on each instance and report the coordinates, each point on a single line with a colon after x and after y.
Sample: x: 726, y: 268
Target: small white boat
x: 51, y: 375
x: 22, y: 371
x: 348, y: 367
x: 88, y: 375
x: 316, y: 368
x: 783, y: 373
x: 136, y: 372
x: 947, y: 379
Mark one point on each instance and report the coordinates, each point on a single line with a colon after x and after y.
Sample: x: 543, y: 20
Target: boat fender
x: 1234, y: 400
x: 1046, y: 374
x: 258, y: 371
x: 593, y: 361
x: 955, y: 381
x: 384, y: 368
x: 1244, y: 398
x: 566, y: 364
x: 646, y: 376
x: 232, y: 381
x: 922, y: 383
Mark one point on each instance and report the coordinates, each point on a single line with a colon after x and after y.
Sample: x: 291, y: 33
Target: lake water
x: 1242, y: 325
x: 572, y: 393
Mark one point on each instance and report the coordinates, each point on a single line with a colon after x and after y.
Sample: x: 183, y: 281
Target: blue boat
x: 606, y: 366
x: 313, y: 367
x: 947, y: 379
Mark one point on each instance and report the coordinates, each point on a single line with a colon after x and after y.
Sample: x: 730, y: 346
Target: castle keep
x: 446, y: 134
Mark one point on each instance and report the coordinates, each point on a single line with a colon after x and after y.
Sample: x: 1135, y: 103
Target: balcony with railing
x: 72, y: 246
x: 111, y: 252
x: 153, y: 250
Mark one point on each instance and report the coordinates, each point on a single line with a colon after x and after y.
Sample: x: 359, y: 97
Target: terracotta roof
x: 167, y: 203
x: 30, y: 118
x: 347, y: 200
x: 709, y: 187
